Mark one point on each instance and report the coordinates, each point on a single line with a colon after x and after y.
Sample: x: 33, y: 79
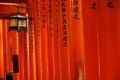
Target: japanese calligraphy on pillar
x: 31, y: 36
x: 76, y: 9
x: 43, y: 14
x: 21, y: 36
x: 50, y: 18
x: 57, y: 30
x: 64, y: 22
x: 15, y: 37
x: 57, y: 19
x: 38, y: 17
x: 25, y: 45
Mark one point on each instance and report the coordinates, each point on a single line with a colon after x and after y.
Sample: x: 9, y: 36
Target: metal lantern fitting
x: 18, y: 22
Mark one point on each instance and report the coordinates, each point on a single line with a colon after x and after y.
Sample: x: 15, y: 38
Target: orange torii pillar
x: 7, y: 50
x: 44, y: 39
x: 75, y: 46
x: 31, y: 34
x: 5, y: 46
x: 21, y: 55
x: 32, y: 52
x: 50, y: 36
x: 38, y: 45
x: 109, y: 39
x: 1, y: 53
x: 77, y: 41
x: 64, y: 39
x: 56, y: 26
x: 15, y: 54
x: 8, y: 71
x: 32, y: 61
x: 25, y: 40
x: 90, y: 39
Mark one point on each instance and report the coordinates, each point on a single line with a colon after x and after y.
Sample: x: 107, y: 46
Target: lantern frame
x: 17, y: 24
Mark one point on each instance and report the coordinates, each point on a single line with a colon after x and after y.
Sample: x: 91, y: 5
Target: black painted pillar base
x: 1, y: 78
x: 9, y: 76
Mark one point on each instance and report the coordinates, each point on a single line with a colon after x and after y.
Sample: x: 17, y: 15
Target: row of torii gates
x: 65, y: 40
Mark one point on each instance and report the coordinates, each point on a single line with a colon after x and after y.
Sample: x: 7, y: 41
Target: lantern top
x: 18, y: 15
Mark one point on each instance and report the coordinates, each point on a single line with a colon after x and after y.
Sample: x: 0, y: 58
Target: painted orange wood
x: 5, y: 46
x: 21, y: 56
x: 44, y: 39
x: 8, y: 10
x: 26, y: 55
x: 31, y: 35
x: 108, y: 27
x: 90, y: 39
x: 38, y: 53
x: 64, y: 39
x: 10, y: 48
x: 15, y: 54
x: 71, y: 25
x: 78, y: 40
x: 1, y: 52
x: 50, y: 36
x: 14, y: 1
x: 32, y: 61
x: 56, y: 40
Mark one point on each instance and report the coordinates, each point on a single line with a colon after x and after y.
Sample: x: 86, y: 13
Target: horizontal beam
x: 7, y: 10
x: 14, y: 1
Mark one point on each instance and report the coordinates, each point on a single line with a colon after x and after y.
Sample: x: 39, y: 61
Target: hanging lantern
x: 18, y: 22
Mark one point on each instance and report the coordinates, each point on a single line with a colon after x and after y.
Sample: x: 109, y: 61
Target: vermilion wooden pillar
x: 9, y: 39
x: 117, y: 12
x: 50, y: 35
x: 5, y: 46
x: 32, y: 60
x: 32, y: 53
x: 64, y: 39
x: 90, y: 30
x: 56, y: 40
x: 108, y: 27
x: 21, y: 55
x: 44, y: 39
x: 77, y: 40
x: 38, y: 51
x: 15, y: 54
x: 1, y: 52
x: 71, y: 26
x: 26, y: 55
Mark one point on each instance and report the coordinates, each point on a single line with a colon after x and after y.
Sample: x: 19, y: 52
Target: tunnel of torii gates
x: 65, y: 40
